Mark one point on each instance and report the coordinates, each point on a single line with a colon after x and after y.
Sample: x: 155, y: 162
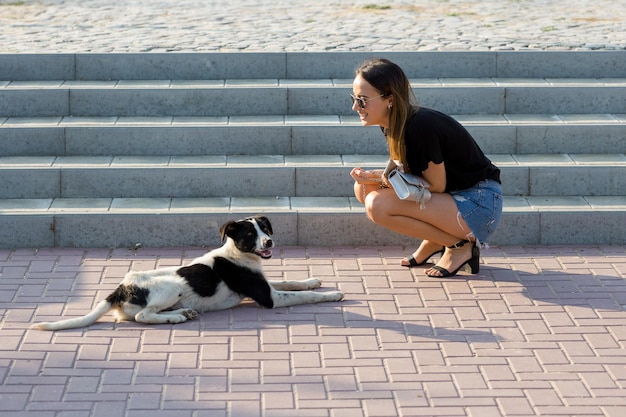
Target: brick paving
x: 540, y: 331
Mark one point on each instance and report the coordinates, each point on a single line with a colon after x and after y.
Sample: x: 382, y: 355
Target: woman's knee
x: 375, y: 207
x: 361, y: 191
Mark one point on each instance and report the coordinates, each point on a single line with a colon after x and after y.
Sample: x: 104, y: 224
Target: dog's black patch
x: 264, y: 224
x: 243, y: 234
x: 201, y: 278
x: 129, y: 294
x: 244, y: 281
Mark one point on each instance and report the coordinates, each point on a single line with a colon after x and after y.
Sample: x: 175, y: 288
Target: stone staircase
x: 115, y: 150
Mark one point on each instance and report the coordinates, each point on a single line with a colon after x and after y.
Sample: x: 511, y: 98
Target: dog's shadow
x: 315, y: 321
x: 327, y: 320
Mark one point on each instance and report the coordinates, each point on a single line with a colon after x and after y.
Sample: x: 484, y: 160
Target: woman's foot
x: 454, y: 258
x: 426, y: 247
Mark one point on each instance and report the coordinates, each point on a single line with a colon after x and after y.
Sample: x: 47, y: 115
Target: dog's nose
x: 268, y: 243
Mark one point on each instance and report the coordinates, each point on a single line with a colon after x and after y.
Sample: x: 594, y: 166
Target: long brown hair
x: 389, y: 79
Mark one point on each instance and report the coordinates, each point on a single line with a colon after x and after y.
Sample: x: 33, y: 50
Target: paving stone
x: 549, y: 352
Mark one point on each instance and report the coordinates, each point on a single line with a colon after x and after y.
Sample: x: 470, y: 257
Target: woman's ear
x: 389, y: 101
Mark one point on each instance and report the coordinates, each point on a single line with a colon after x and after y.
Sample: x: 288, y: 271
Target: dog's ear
x: 264, y: 224
x: 228, y: 229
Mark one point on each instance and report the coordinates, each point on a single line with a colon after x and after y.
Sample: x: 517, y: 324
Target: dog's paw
x: 190, y: 314
x: 181, y: 316
x: 334, y: 296
x: 312, y: 283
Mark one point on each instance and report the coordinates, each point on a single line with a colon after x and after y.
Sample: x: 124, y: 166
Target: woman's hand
x: 363, y: 176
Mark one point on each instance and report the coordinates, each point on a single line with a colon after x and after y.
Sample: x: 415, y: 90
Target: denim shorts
x: 480, y: 207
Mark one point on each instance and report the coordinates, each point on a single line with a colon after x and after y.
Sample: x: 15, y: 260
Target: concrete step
x: 180, y: 98
x: 293, y: 65
x: 161, y: 149
x: 338, y: 221
x: 294, y: 135
x: 279, y: 175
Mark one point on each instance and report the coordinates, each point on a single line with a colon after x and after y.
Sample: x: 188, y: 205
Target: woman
x: 466, y: 202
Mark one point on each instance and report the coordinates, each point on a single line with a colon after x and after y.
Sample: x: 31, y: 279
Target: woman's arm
x: 435, y: 174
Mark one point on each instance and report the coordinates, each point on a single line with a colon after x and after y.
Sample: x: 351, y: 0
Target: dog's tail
x: 101, y: 309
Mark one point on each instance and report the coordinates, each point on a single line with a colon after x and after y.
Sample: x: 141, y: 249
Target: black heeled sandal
x: 413, y: 262
x: 473, y: 262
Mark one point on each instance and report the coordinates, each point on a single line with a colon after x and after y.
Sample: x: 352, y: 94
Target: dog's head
x: 251, y: 235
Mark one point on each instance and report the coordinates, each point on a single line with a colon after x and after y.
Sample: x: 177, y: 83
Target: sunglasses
x: 363, y: 101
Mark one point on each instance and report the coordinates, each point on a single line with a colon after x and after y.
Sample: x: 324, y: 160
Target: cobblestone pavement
x: 309, y: 25
x: 541, y: 331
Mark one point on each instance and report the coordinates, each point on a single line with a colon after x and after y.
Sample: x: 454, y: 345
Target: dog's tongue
x: 266, y: 253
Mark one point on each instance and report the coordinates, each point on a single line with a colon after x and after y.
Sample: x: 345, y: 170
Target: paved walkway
x: 309, y: 25
x: 541, y: 331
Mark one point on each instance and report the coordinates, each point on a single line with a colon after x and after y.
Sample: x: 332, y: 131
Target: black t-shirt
x: 432, y: 136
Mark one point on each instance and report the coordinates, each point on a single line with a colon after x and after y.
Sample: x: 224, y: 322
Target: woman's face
x: 376, y: 107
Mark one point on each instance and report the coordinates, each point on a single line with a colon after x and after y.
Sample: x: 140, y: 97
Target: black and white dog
x: 218, y: 280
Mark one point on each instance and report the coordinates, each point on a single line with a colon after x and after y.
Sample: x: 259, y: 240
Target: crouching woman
x: 466, y: 202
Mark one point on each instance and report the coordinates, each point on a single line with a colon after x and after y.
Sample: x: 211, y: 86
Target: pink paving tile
x: 542, y: 339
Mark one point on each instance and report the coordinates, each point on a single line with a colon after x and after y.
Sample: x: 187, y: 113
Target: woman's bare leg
x: 362, y: 190
x: 425, y: 249
x: 439, y: 223
x: 451, y: 260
